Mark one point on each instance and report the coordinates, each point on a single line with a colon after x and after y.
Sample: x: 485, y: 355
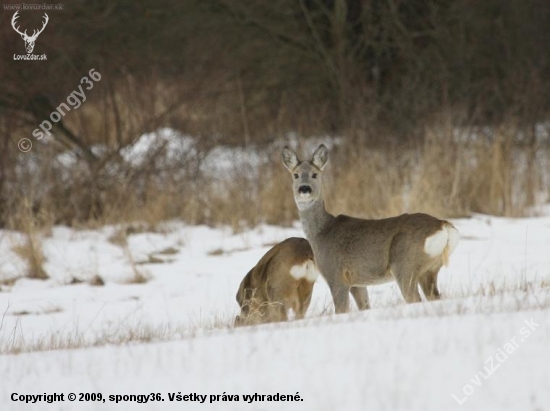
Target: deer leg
x: 340, y: 295
x: 241, y: 319
x: 408, y: 284
x: 275, y: 312
x: 361, y: 297
x: 305, y: 300
x: 428, y: 283
x: 291, y: 306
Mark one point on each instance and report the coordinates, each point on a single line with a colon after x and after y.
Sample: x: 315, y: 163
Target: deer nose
x: 304, y: 190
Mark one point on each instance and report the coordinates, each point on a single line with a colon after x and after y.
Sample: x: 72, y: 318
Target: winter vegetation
x: 174, y: 332
x: 127, y: 228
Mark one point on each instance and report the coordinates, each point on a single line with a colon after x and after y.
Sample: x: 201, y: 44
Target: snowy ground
x: 392, y: 357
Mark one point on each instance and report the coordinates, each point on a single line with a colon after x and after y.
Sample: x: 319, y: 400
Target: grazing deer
x: 352, y: 253
x: 281, y: 281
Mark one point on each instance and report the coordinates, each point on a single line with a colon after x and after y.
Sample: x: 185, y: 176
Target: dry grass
x: 14, y: 342
x: 448, y: 175
x: 120, y: 238
x: 255, y: 312
x: 139, y: 277
x: 489, y: 298
x: 30, y: 250
x: 447, y: 179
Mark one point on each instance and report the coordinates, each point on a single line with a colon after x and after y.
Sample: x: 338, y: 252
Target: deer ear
x: 320, y: 157
x: 290, y: 159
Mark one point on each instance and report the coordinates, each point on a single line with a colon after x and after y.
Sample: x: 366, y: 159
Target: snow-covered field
x: 430, y: 356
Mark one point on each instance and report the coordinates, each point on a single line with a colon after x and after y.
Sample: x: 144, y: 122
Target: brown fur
x: 353, y: 253
x: 268, y: 291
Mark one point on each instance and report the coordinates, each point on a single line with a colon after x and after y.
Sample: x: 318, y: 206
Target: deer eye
x: 296, y: 176
x: 314, y: 175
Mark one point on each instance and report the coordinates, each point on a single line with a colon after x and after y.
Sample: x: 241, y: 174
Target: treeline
x: 377, y: 72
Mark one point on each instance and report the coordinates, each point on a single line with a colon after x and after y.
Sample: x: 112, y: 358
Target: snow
x: 392, y: 357
x: 175, y: 144
x: 220, y: 162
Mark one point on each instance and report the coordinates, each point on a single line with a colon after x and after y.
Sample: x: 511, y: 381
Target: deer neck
x: 314, y: 219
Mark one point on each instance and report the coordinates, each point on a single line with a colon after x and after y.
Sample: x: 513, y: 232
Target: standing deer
x: 281, y: 281
x: 352, y: 253
x: 29, y: 40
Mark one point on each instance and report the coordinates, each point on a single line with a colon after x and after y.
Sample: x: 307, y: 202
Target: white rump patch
x: 442, y: 243
x: 436, y: 243
x: 453, y: 238
x: 307, y: 270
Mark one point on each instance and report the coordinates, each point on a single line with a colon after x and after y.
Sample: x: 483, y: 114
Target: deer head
x: 307, y: 175
x: 29, y: 40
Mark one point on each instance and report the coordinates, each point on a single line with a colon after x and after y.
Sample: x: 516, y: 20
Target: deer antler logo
x: 29, y: 40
